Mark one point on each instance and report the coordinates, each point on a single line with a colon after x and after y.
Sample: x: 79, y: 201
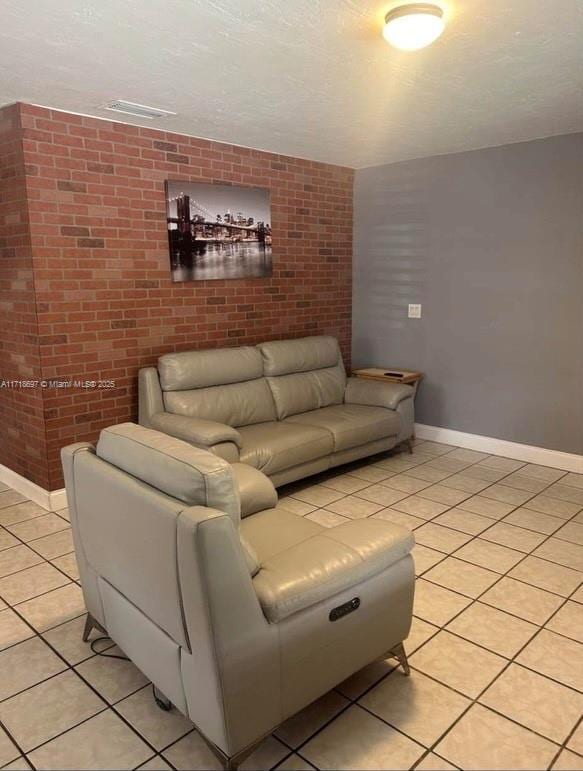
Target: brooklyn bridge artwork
x: 218, y: 231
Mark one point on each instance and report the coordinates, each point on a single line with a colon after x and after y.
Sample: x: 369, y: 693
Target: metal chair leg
x: 162, y: 701
x: 399, y: 653
x: 89, y: 626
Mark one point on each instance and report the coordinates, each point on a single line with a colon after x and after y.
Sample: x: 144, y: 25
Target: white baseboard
x: 565, y: 461
x: 51, y: 500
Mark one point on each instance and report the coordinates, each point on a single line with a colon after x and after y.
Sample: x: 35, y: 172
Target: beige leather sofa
x: 240, y: 613
x: 284, y: 407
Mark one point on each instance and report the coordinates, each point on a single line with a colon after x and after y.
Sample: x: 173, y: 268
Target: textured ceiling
x: 311, y: 78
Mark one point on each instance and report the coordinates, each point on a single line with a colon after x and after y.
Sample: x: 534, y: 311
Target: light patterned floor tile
x: 21, y: 512
x: 433, y: 762
x: 461, y: 577
x: 440, y: 538
x: 294, y: 763
x: 12, y: 629
x: 458, y: 663
x: 442, y: 494
x: 406, y: 483
x: 345, y: 483
x: 7, y: 540
x: 465, y: 521
x: 513, y: 537
x: 556, y: 657
x: 17, y: 558
x: 489, y: 555
x: 38, y: 527
x: 51, y: 707
x: 156, y: 763
x: 381, y: 494
x: 535, y: 702
x: 30, y: 582
x: 575, y: 743
x: 547, y: 575
x: 355, y: 685
x: 522, y: 600
x: 8, y: 750
x: 327, y: 518
x: 420, y: 507
x: 522, y: 481
x: 506, y: 494
x: 568, y: 761
x: 68, y: 565
x: 113, y: 678
x: 295, y: 506
x: 436, y: 604
x: 399, y: 518
x: 54, y: 545
x: 565, y: 493
x: 372, y: 474
x: 570, y: 555
x: 266, y: 756
x: 358, y: 740
x: 353, y: 507
x: 66, y: 639
x: 192, y: 752
x: 429, y: 474
x: 26, y: 664
x: 305, y: 723
x: 465, y: 483
x: 568, y: 621
x: 156, y: 726
x: 53, y: 608
x: 104, y: 741
x: 486, y: 507
x: 425, y: 558
x: 491, y: 628
x: 575, y: 480
x: 10, y: 498
x: 572, y: 531
x: 409, y: 704
x: 534, y: 520
x: 501, y: 464
x: 318, y: 495
x: 545, y: 473
x: 484, y: 740
x: 489, y: 475
x: 547, y: 505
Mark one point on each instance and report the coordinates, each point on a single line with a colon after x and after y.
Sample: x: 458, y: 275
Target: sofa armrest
x: 374, y: 393
x: 202, y: 433
x: 335, y: 560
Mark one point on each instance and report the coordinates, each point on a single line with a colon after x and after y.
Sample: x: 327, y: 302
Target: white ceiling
x: 310, y: 78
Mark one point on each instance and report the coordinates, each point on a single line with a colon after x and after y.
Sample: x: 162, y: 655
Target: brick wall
x: 105, y: 302
x: 22, y: 429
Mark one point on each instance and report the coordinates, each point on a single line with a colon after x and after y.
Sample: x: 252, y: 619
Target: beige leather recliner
x: 240, y: 622
x: 284, y: 407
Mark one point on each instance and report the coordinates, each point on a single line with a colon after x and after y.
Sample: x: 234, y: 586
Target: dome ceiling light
x: 413, y: 26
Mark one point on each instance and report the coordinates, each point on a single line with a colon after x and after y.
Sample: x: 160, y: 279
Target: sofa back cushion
x: 226, y: 385
x: 304, y: 374
x: 189, y: 474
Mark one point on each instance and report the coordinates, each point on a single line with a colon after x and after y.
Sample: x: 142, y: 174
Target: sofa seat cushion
x: 331, y: 561
x: 351, y: 424
x: 275, y: 530
x: 275, y: 446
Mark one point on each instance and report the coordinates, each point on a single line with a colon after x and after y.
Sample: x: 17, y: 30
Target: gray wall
x: 491, y: 243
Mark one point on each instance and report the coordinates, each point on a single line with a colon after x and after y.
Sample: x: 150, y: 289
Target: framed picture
x: 218, y: 231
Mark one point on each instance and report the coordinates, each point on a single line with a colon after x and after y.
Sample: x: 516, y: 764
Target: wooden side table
x: 392, y: 375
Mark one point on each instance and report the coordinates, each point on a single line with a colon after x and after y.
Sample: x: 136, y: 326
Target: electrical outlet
x: 414, y: 311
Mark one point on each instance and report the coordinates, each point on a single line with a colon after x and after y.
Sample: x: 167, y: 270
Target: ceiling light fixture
x: 414, y: 25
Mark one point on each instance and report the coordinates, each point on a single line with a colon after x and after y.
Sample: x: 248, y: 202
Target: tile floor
x: 496, y: 647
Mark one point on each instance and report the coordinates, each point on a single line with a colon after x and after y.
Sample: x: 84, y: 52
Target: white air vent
x: 137, y: 110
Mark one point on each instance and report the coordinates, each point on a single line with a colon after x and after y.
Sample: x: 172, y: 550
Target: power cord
x: 105, y: 653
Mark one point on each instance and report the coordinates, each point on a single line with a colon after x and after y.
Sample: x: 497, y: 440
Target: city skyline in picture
x: 218, y: 231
